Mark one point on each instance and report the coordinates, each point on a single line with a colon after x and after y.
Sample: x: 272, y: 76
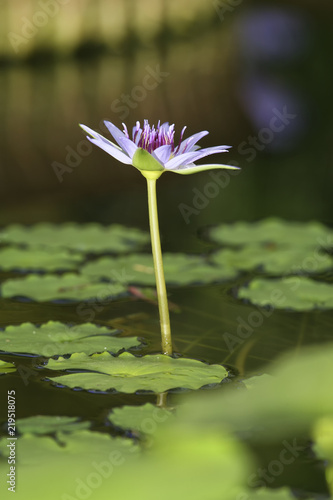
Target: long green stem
x: 158, y: 266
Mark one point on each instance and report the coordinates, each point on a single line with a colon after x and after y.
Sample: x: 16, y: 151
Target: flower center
x: 151, y: 138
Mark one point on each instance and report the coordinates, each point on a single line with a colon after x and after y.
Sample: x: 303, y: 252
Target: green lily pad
x: 180, y: 269
x: 80, y: 464
x: 6, y: 367
x: 38, y: 259
x: 274, y: 259
x: 144, y: 418
x: 54, y: 338
x: 128, y: 373
x: 299, y: 293
x: 272, y: 230
x: 47, y: 424
x: 66, y: 287
x: 90, y: 237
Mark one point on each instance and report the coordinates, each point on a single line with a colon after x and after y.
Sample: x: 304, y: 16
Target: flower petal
x: 187, y: 144
x: 185, y: 158
x: 136, y: 133
x: 115, y: 131
x: 111, y: 149
x: 96, y: 135
x: 128, y: 146
x: 201, y: 153
x: 163, y: 153
x: 193, y: 169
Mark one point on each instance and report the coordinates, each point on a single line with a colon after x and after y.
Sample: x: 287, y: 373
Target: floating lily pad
x: 77, y: 462
x: 37, y: 259
x: 54, y: 338
x: 66, y: 287
x: 180, y: 269
x: 91, y: 237
x: 144, y: 418
x: 128, y: 373
x: 274, y: 259
x: 299, y: 293
x: 47, y: 424
x: 272, y: 230
x: 6, y: 367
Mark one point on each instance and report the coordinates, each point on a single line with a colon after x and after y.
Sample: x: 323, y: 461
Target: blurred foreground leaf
x: 285, y: 405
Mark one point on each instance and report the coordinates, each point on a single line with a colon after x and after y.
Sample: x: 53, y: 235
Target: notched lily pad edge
x: 140, y: 392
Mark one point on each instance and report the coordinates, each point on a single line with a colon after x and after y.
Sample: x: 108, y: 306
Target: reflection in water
x: 227, y: 82
x: 271, y: 42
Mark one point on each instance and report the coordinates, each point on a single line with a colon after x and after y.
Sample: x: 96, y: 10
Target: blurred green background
x: 256, y: 75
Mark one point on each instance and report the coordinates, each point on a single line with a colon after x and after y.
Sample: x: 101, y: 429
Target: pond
x: 247, y: 430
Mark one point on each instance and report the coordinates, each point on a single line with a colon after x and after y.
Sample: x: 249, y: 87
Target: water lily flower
x: 154, y: 149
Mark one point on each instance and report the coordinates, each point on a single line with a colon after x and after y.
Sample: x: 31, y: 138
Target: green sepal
x: 201, y: 168
x: 142, y: 160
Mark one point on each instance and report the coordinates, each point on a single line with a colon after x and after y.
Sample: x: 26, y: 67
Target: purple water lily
x: 154, y: 149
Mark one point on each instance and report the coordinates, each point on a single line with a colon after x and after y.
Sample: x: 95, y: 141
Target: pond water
x: 206, y: 85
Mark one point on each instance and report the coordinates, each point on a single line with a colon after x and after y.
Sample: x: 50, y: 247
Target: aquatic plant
x: 153, y: 151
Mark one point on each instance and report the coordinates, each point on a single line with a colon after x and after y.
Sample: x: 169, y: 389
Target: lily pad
x: 274, y: 259
x: 66, y: 287
x: 180, y: 269
x: 144, y: 418
x: 298, y: 293
x: 73, y: 466
x: 90, y: 237
x: 54, y: 338
x: 6, y: 367
x: 47, y: 424
x: 38, y: 259
x: 128, y: 373
x: 273, y: 230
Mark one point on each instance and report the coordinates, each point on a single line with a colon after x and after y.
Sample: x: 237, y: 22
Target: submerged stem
x: 158, y: 266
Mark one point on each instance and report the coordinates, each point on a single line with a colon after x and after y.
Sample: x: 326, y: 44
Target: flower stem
x: 158, y: 265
